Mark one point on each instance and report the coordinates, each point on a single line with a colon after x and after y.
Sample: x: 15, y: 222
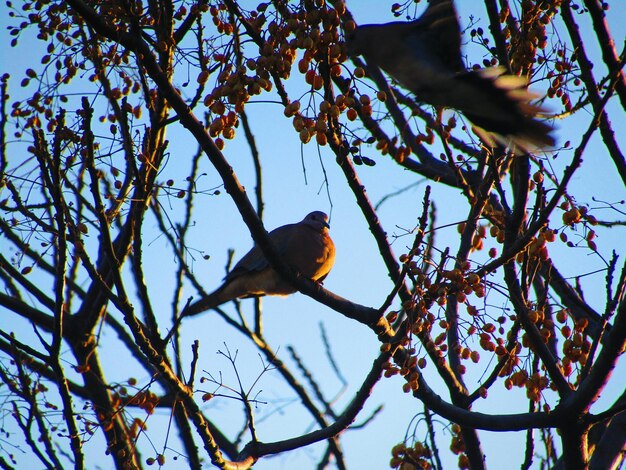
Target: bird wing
x: 435, y: 38
x: 423, y: 55
x: 501, y: 104
x: 255, y: 260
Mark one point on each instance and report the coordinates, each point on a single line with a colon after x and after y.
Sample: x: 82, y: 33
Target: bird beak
x: 326, y: 224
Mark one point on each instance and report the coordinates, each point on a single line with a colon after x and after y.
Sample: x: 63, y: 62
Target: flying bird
x: 306, y: 246
x: 424, y: 56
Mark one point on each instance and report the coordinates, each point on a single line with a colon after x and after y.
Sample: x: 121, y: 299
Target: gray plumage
x: 424, y: 56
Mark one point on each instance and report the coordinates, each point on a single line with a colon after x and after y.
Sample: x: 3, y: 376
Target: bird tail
x: 509, y: 115
x: 213, y: 300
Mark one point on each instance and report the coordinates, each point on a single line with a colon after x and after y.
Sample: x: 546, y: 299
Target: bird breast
x: 313, y: 254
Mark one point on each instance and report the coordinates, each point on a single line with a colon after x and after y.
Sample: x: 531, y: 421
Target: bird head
x: 317, y: 220
x: 356, y: 42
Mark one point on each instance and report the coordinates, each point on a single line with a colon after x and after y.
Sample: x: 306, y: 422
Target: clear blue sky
x: 358, y: 275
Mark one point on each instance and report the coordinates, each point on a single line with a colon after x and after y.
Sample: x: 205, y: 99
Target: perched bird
x: 305, y: 246
x: 424, y: 56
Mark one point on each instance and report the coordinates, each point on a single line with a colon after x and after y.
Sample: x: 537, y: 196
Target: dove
x: 305, y: 246
x: 424, y: 57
